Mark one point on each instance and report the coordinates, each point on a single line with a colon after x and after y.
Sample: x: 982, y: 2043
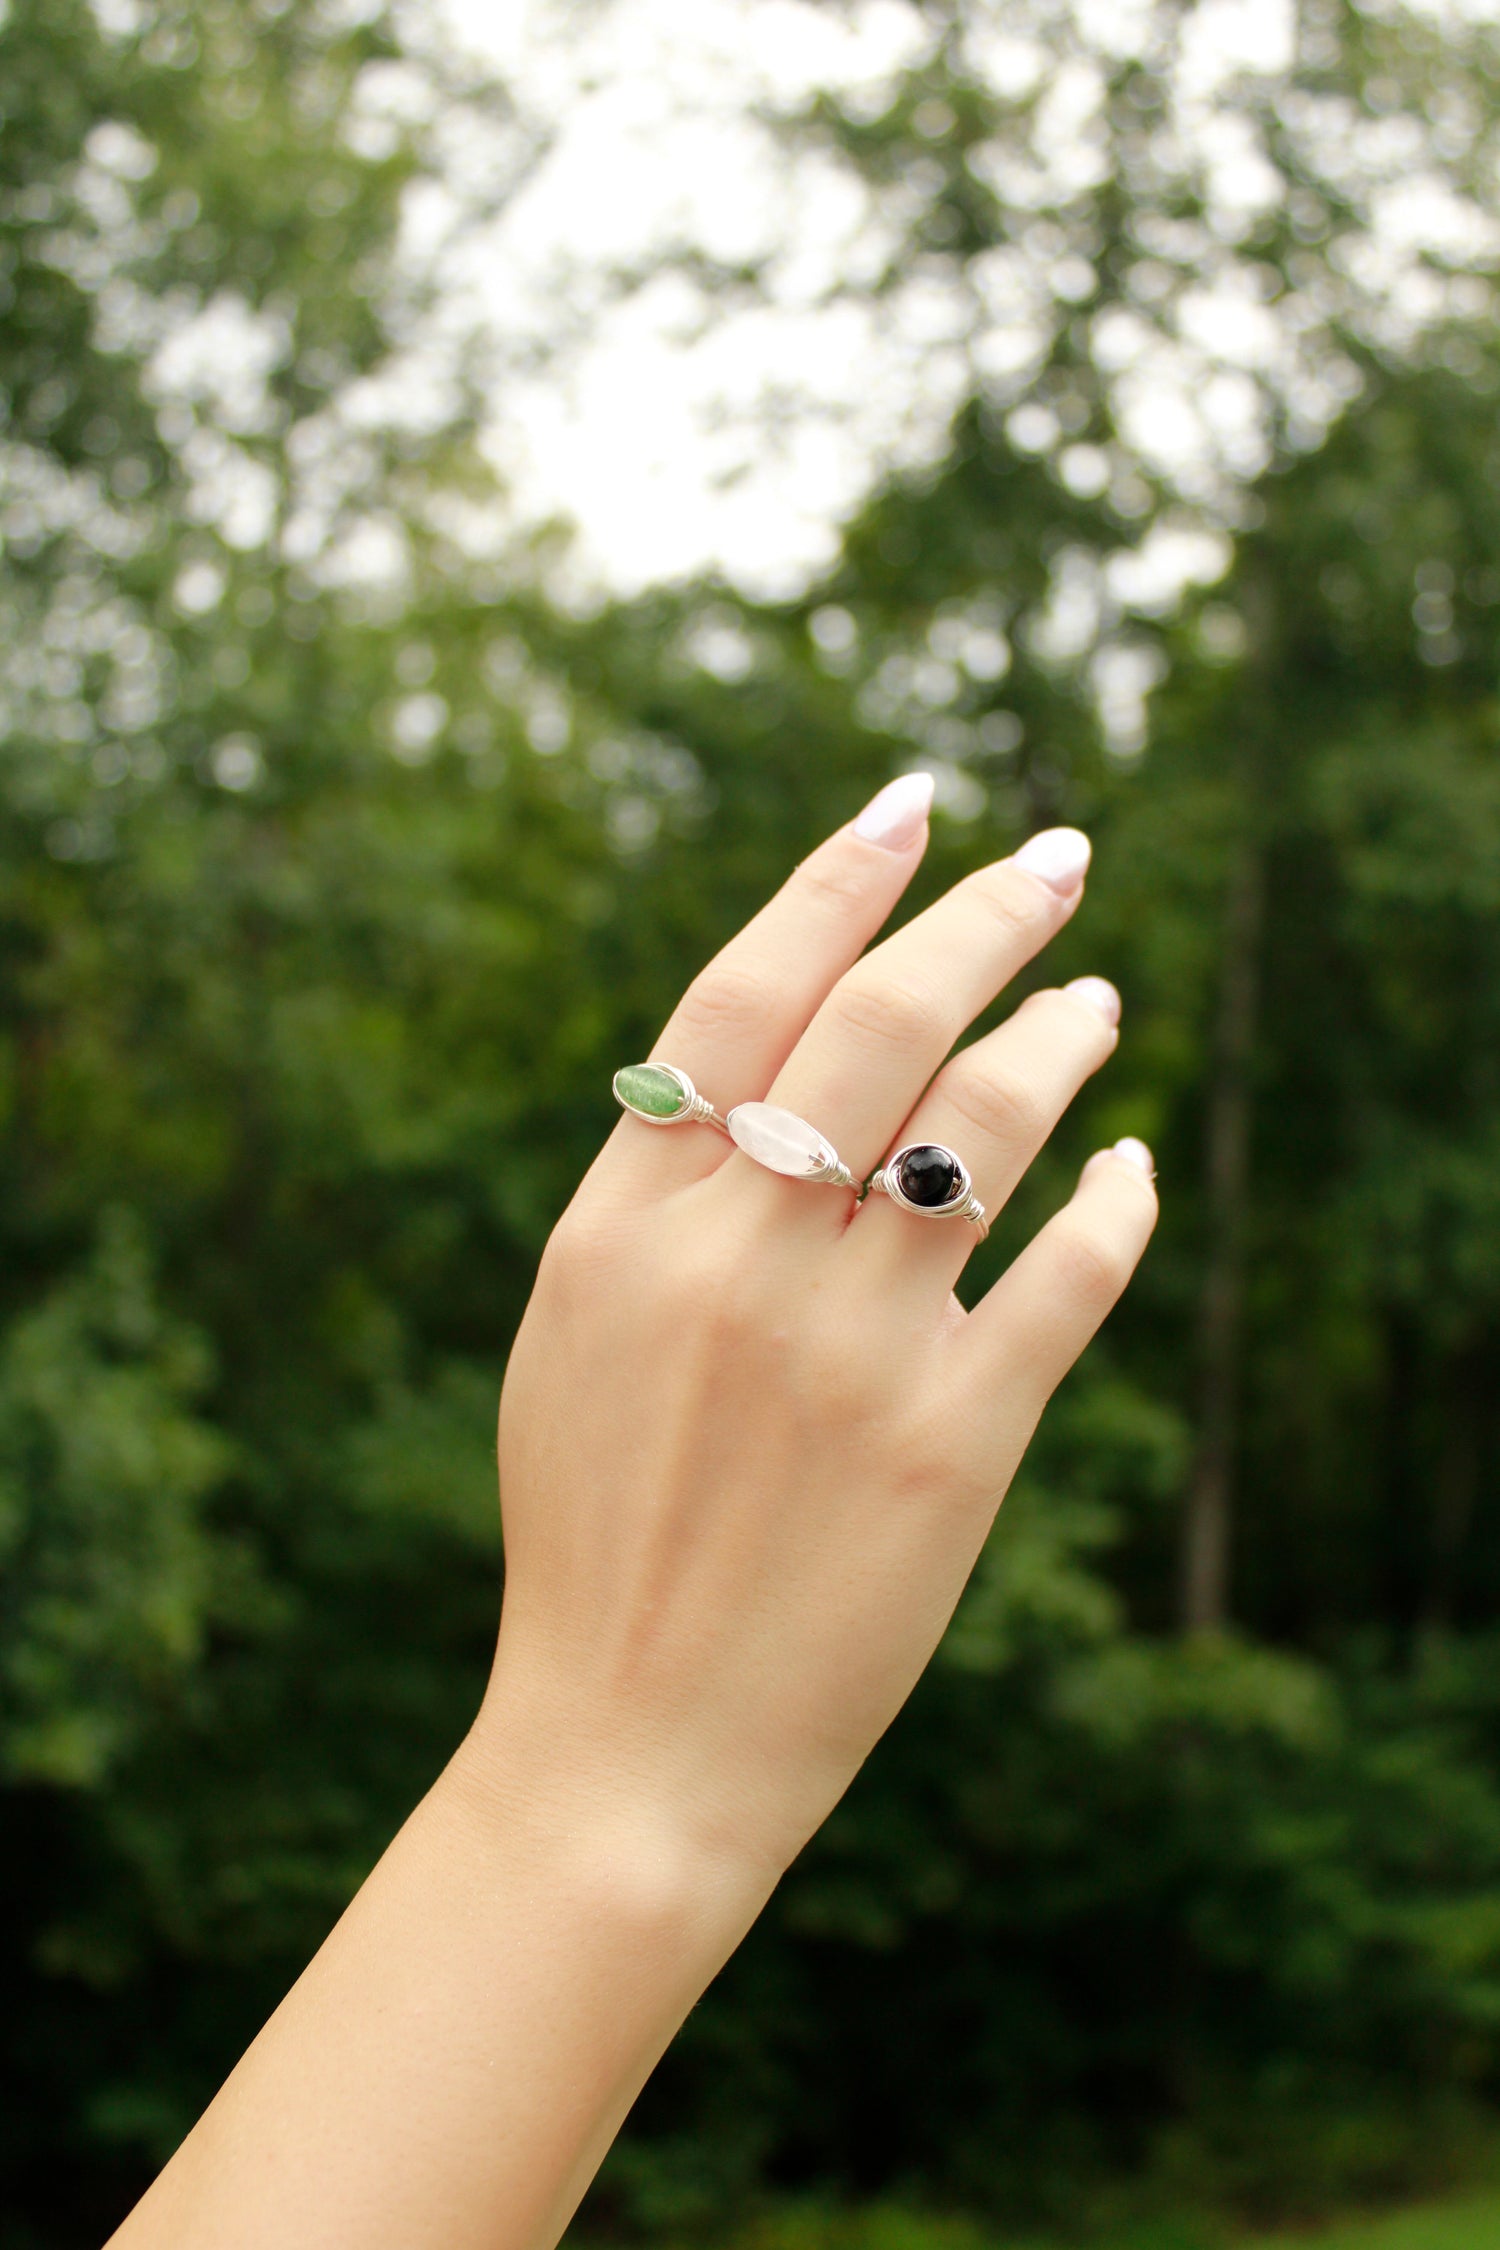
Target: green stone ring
x: 661, y: 1095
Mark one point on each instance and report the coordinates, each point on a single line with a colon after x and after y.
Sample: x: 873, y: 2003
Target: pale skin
x: 750, y: 1447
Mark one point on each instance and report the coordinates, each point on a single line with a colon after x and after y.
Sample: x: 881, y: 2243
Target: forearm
x: 452, y: 2066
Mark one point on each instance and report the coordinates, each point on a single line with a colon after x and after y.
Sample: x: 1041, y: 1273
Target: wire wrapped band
x: 660, y: 1094
x: 931, y: 1182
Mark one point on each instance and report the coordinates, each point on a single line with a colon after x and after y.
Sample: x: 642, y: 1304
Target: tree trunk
x: 1455, y: 1486
x: 1209, y: 1521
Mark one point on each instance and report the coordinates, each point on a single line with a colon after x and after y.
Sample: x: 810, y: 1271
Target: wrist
x: 589, y: 1809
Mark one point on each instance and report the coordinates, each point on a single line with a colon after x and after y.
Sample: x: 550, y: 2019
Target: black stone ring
x: 930, y: 1181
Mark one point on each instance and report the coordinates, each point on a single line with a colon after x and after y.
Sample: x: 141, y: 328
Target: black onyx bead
x: 928, y: 1176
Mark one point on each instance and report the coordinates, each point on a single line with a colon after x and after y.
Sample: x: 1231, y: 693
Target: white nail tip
x: 1132, y: 1151
x: 778, y: 1139
x: 894, y: 818
x: 1058, y: 857
x: 1096, y: 993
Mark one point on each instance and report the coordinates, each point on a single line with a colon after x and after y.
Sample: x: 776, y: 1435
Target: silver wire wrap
x: 698, y: 1112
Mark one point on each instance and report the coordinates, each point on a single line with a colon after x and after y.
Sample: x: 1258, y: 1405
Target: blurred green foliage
x: 325, y: 912
x: 1466, y: 2224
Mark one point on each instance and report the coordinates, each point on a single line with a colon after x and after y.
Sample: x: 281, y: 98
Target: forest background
x: 348, y: 840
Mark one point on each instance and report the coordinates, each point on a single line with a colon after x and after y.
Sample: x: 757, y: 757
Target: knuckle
x: 725, y: 998
x: 927, y: 1458
x: 931, y: 1475
x: 714, y: 1282
x: 1093, y: 1269
x: 1001, y: 1103
x: 899, y: 1012
x: 726, y: 1320
x: 581, y: 1245
x: 1014, y: 902
x: 830, y: 881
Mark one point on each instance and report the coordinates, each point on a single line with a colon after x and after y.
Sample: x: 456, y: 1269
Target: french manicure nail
x: 1132, y: 1151
x: 1097, y: 993
x: 1058, y: 857
x: 894, y: 818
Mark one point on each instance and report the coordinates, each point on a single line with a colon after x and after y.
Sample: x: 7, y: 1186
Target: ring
x: 928, y: 1179
x: 661, y: 1095
x: 784, y: 1142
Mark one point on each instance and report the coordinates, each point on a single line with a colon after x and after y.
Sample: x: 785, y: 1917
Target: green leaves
x: 112, y: 1571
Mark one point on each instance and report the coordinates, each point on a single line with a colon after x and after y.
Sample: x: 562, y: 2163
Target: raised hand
x: 750, y: 1444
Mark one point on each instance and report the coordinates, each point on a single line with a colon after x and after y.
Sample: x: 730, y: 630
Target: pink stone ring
x: 786, y: 1143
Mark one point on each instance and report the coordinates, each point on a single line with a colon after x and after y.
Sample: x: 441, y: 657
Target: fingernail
x: 1097, y: 993
x: 1132, y: 1151
x: 894, y: 818
x: 1058, y: 857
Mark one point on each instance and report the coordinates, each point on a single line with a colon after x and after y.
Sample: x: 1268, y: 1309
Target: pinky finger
x: 1037, y: 1319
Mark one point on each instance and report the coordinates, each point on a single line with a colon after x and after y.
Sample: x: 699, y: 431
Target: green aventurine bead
x: 645, y: 1086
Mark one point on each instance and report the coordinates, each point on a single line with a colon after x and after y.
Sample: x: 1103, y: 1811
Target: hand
x: 750, y: 1443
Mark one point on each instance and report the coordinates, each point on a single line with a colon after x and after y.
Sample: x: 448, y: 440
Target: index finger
x: 745, y: 1011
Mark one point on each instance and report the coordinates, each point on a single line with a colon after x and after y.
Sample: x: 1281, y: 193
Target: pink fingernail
x: 1058, y: 857
x: 1097, y: 993
x: 1132, y: 1151
x: 895, y: 817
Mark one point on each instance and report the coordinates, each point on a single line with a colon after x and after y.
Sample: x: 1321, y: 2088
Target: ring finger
x: 886, y: 1027
x: 994, y: 1105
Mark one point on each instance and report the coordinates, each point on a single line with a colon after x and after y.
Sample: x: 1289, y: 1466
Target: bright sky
x: 684, y: 429
x: 681, y: 435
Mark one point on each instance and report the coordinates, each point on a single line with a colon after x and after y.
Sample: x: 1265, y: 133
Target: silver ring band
x: 660, y: 1094
x: 931, y: 1182
x: 783, y: 1142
